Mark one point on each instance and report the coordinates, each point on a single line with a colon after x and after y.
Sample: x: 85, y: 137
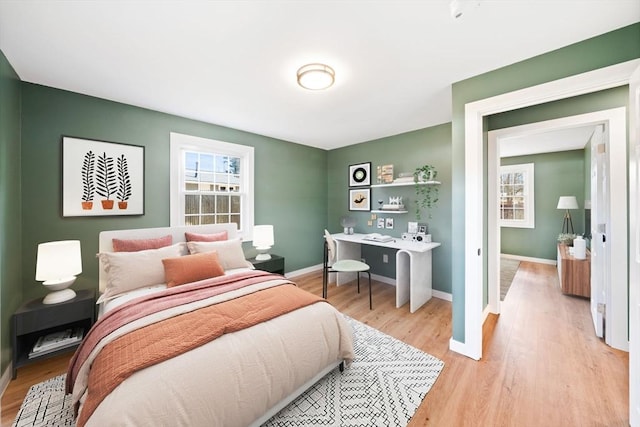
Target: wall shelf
x: 404, y: 184
x: 389, y: 211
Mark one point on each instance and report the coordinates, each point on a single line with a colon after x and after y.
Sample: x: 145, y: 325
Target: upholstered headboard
x: 105, y: 240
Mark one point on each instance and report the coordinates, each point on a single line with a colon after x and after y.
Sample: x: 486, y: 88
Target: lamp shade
x: 567, y: 202
x: 58, y: 260
x: 263, y: 236
x: 262, y: 241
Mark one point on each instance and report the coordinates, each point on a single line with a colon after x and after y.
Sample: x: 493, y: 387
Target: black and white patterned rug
x: 384, y: 386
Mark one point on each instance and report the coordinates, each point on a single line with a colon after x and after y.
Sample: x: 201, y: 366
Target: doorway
x: 614, y: 295
x: 474, y: 221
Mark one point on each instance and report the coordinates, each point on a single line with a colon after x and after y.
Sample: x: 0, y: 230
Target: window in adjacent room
x: 516, y: 196
x: 211, y: 182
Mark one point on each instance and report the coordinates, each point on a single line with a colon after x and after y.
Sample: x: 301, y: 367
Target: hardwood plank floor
x: 542, y: 364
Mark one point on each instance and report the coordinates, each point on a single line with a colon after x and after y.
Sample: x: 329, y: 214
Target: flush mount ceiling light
x: 316, y: 76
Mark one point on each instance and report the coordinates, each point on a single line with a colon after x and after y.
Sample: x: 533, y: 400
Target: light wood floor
x: 542, y: 365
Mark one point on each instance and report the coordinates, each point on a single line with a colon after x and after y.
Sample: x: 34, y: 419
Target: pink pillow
x: 136, y: 245
x: 215, y: 237
x: 191, y: 268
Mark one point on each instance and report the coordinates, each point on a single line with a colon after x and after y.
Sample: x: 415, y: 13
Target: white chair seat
x: 349, y: 265
x: 341, y: 266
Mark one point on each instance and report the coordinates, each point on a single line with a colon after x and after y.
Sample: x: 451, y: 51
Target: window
x: 211, y: 183
x: 516, y: 196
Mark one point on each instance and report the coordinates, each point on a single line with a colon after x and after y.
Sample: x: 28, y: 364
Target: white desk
x: 413, y: 266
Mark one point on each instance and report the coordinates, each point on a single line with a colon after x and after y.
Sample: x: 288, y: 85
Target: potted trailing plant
x: 105, y: 180
x: 88, y: 187
x: 124, y: 182
x: 426, y: 194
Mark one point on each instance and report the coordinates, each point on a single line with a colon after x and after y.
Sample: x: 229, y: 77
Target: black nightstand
x: 273, y: 265
x: 35, y: 319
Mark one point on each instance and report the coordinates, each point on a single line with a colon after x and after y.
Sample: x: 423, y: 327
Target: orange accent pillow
x: 120, y: 245
x: 191, y: 268
x: 214, y: 237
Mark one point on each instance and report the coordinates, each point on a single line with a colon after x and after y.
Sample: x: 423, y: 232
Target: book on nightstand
x: 56, y: 341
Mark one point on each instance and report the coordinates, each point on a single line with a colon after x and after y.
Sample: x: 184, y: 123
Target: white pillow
x: 127, y: 271
x: 230, y: 253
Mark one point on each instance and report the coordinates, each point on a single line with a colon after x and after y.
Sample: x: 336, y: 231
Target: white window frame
x: 179, y: 143
x: 527, y: 169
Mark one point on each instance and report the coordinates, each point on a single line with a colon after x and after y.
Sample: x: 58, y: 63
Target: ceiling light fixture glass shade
x: 316, y: 76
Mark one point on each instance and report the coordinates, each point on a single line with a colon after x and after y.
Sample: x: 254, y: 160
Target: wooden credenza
x: 574, y: 274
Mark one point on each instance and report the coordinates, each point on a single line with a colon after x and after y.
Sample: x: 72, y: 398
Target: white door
x: 599, y: 221
x: 634, y: 261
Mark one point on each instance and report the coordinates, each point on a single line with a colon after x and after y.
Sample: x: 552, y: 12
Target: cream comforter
x: 231, y: 381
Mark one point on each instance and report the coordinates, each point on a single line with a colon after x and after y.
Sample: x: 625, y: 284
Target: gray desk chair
x: 341, y: 266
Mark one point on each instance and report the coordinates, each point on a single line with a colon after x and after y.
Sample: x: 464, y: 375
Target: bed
x: 229, y: 350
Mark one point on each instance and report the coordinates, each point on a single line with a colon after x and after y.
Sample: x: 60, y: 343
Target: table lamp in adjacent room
x: 263, y: 240
x: 566, y: 203
x: 57, y: 265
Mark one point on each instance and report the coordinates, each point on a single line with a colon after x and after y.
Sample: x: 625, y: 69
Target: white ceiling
x: 546, y: 142
x: 233, y: 63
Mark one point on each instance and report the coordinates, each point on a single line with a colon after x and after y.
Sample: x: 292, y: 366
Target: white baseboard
x: 302, y: 271
x: 530, y: 259
x: 6, y: 378
x: 442, y: 295
x: 384, y: 279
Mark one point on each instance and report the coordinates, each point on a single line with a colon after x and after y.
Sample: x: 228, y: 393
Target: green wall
x: 591, y: 102
x: 611, y: 48
x: 556, y: 174
x: 290, y: 179
x: 10, y: 218
x: 405, y: 152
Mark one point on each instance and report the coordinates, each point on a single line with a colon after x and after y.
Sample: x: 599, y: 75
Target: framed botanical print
x: 101, y: 178
x: 360, y: 175
x: 360, y: 199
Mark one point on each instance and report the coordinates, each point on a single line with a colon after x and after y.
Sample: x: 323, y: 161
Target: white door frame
x: 615, y: 121
x: 604, y: 78
x: 634, y: 271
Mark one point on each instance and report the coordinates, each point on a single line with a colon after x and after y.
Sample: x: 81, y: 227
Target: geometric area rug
x: 384, y: 386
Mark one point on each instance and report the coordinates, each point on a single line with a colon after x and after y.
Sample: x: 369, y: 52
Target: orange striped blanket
x: 164, y: 339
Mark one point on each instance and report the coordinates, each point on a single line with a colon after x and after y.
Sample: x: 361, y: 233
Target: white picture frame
x: 101, y: 178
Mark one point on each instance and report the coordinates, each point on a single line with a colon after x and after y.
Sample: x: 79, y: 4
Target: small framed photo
x: 380, y: 222
x: 389, y: 223
x: 360, y: 175
x: 360, y: 199
x: 422, y: 229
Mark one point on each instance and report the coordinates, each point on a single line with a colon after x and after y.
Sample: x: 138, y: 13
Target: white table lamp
x: 263, y: 240
x: 566, y: 203
x: 57, y: 265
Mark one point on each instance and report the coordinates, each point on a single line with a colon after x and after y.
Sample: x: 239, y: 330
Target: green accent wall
x: 608, y: 49
x: 10, y: 214
x: 555, y: 174
x: 290, y: 179
x: 405, y: 152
